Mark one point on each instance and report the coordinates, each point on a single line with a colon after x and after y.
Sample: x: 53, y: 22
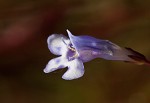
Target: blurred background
x: 25, y: 26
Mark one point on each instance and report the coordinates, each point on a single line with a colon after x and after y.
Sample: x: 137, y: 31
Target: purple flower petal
x: 75, y: 70
x: 56, y: 63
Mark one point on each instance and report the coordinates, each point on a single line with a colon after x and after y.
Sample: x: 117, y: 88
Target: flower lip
x: 56, y: 43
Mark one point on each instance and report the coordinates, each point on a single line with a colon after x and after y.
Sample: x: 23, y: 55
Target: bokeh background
x: 25, y: 26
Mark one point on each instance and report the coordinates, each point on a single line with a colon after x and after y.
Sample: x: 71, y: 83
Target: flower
x: 76, y: 50
x: 59, y: 44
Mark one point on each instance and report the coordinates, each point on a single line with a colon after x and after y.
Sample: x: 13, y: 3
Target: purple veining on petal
x: 87, y: 55
x: 57, y: 61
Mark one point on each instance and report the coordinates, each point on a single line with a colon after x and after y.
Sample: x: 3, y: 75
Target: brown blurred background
x: 25, y: 26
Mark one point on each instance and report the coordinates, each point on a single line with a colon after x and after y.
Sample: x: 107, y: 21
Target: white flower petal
x: 56, y: 63
x: 57, y: 44
x: 75, y: 70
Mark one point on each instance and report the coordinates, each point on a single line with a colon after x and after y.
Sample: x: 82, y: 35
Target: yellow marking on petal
x: 71, y: 48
